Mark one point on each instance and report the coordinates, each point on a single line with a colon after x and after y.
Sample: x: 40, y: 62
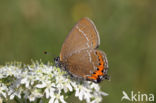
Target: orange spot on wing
x: 101, y: 68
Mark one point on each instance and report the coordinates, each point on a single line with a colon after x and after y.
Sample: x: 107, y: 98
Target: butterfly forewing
x: 83, y: 35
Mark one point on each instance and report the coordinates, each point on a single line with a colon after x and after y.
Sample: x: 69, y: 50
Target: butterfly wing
x: 100, y: 62
x: 83, y: 35
x: 79, y: 64
x: 89, y: 64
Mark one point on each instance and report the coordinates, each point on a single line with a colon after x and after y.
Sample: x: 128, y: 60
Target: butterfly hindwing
x: 88, y: 64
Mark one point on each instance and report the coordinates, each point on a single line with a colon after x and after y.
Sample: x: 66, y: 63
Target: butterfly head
x: 57, y: 61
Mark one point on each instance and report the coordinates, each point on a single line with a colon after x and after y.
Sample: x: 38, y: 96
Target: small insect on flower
x: 79, y: 55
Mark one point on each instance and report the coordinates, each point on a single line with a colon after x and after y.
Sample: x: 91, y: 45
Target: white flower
x: 3, y: 89
x: 67, y: 86
x: 57, y: 98
x: 83, y: 92
x: 98, y: 96
x: 26, y: 93
x: 40, y: 81
x: 34, y: 94
x: 14, y: 92
x: 95, y: 86
x: 63, y: 83
x: 26, y: 81
x: 49, y: 88
x: 31, y: 98
x: 103, y: 93
x: 97, y: 100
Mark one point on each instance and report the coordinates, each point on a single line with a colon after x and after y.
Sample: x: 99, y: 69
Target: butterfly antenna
x: 51, y: 54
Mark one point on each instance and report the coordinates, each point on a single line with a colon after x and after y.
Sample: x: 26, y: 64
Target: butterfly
x: 79, y: 55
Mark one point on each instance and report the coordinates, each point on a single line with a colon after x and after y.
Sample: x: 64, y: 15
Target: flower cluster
x: 43, y: 83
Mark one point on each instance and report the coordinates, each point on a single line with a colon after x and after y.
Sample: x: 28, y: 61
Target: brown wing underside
x: 84, y: 63
x: 83, y: 35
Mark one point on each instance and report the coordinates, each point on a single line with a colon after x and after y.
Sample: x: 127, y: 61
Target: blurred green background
x: 127, y: 29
